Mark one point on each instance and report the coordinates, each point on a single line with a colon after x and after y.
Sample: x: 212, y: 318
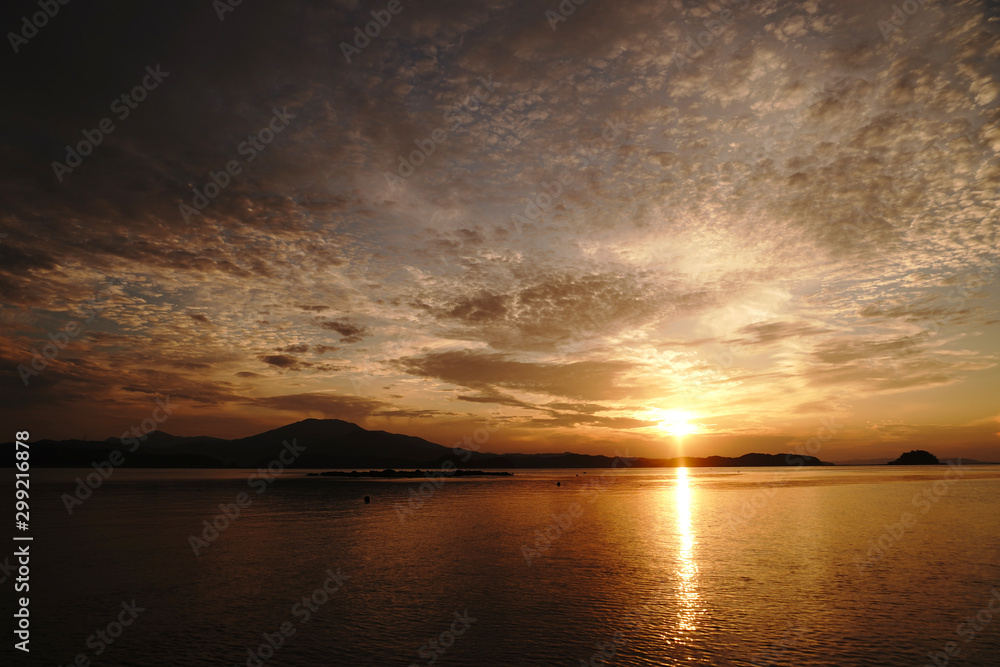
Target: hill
x: 332, y: 444
x: 916, y: 457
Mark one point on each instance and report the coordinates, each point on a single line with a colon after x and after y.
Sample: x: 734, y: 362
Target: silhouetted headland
x: 389, y: 473
x: 916, y: 457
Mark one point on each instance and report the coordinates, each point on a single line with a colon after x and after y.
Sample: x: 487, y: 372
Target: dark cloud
x: 569, y: 420
x: 842, y: 352
x: 191, y: 365
x: 331, y: 406
x: 587, y: 380
x: 546, y: 311
x: 585, y: 408
x: 281, y: 361
x: 493, y: 395
x: 351, y: 333
x: 774, y: 332
x: 413, y: 414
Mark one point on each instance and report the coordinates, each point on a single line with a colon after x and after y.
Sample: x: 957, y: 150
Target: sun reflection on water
x: 687, y: 568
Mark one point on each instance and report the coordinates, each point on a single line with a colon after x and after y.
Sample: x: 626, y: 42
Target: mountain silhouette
x: 916, y: 457
x: 334, y: 443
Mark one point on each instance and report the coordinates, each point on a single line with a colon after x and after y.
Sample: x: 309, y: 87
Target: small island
x: 389, y: 473
x: 916, y: 457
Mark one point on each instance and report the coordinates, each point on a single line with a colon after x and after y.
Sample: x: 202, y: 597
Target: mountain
x: 878, y: 462
x: 333, y: 443
x: 749, y: 461
x: 318, y: 443
x: 83, y: 454
x: 916, y: 457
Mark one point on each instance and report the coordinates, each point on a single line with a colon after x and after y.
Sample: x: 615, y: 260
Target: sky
x: 653, y: 228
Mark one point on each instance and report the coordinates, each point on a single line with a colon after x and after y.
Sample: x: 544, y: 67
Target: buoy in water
x: 558, y: 483
x: 368, y: 499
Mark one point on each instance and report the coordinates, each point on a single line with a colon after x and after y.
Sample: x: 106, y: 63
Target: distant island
x: 333, y: 444
x: 389, y: 473
x: 916, y: 457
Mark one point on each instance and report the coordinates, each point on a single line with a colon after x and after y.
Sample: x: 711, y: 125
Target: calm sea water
x: 846, y: 566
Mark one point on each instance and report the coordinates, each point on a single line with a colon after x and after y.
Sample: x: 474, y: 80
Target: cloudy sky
x: 676, y: 227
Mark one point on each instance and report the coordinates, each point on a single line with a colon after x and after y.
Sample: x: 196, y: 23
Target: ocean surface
x: 764, y: 566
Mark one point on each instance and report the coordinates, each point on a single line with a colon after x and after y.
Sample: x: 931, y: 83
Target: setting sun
x: 676, y: 422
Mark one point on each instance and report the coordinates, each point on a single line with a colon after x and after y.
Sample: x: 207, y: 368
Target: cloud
x: 281, y: 361
x: 840, y: 352
x: 331, y: 406
x: 774, y: 332
x: 585, y: 380
x: 351, y: 333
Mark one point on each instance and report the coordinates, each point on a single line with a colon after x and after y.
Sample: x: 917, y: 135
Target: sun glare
x: 676, y: 422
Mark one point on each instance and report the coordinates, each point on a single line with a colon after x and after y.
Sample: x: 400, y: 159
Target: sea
x: 868, y: 565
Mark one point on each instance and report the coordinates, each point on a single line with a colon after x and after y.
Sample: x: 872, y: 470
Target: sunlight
x: 688, y: 569
x: 675, y: 422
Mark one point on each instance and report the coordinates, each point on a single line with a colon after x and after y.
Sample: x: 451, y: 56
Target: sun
x: 676, y: 422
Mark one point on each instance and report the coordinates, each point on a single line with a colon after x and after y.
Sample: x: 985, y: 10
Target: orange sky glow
x: 570, y: 235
